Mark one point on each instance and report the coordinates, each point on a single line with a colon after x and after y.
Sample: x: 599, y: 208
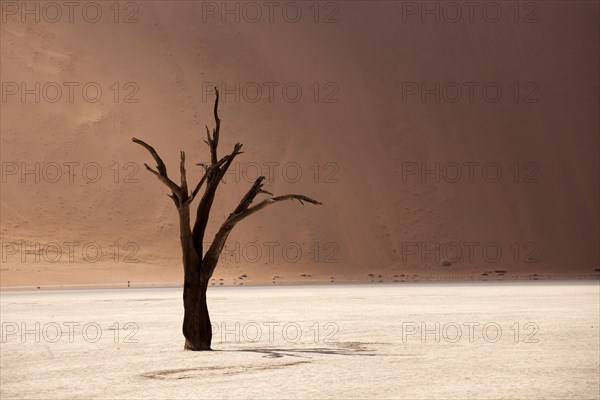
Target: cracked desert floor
x: 535, y: 340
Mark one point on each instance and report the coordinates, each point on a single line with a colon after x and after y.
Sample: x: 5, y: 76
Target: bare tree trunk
x: 198, y: 267
x: 197, y: 329
x: 196, y: 320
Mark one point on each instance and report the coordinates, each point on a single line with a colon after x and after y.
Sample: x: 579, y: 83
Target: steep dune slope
x: 357, y: 138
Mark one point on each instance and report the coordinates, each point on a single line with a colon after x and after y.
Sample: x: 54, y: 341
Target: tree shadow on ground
x: 305, y: 352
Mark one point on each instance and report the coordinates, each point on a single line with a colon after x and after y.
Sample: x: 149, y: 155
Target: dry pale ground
x: 354, y: 342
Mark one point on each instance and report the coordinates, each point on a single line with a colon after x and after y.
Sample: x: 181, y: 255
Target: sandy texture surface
x: 359, y: 138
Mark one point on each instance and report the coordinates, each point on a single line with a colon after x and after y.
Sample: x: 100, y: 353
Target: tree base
x: 199, y: 346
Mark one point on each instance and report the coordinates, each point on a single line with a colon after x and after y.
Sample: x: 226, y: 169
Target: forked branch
x: 161, y: 169
x: 180, y: 192
x: 243, y: 210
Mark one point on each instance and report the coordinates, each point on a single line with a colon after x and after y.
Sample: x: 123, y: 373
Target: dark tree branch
x: 236, y: 152
x: 272, y: 200
x: 162, y: 169
x: 217, y: 130
x: 207, y: 169
x: 213, y: 142
x: 184, y: 185
x: 214, y: 175
x: 161, y: 172
x: 243, y: 210
x: 208, y: 140
x: 249, y: 197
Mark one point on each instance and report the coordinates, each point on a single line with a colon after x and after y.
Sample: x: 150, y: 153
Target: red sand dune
x: 364, y: 132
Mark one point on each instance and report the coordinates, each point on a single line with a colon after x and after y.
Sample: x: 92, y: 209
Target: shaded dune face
x: 393, y: 123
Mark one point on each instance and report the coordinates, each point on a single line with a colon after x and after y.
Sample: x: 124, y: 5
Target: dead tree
x: 199, y: 266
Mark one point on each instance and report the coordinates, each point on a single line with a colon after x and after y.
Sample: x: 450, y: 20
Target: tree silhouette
x: 198, y: 266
